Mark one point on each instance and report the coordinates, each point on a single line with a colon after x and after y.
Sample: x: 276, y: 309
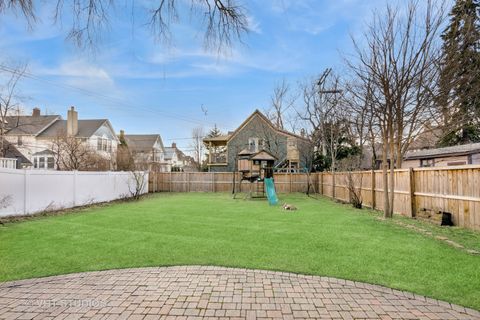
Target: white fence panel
x: 48, y: 190
x: 25, y: 192
x: 12, y: 191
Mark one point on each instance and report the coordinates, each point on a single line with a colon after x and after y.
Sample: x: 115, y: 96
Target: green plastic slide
x: 271, y: 194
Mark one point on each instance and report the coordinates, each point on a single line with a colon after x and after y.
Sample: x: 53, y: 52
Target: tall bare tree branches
x: 197, y: 145
x: 89, y: 18
x: 9, y: 102
x: 224, y: 21
x: 281, y: 101
x: 25, y: 6
x: 399, y: 64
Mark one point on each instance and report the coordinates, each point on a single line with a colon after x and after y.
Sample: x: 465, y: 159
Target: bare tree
x: 359, y: 104
x: 139, y: 179
x: 72, y: 153
x: 224, y: 21
x: 324, y: 113
x: 282, y: 100
x: 9, y: 104
x: 198, y: 146
x: 400, y: 62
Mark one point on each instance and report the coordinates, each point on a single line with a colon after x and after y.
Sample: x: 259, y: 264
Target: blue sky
x: 143, y: 86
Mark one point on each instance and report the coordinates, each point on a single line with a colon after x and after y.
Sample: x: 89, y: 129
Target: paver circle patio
x: 195, y: 292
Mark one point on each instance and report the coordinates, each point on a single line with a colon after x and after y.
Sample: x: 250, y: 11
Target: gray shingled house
x: 442, y: 157
x: 255, y: 134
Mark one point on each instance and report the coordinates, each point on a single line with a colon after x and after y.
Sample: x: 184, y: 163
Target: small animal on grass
x: 289, y: 207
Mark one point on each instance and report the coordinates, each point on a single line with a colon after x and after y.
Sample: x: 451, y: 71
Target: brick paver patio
x: 196, y: 292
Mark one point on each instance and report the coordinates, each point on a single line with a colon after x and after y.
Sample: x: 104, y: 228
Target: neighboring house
x: 34, y: 136
x: 441, y: 157
x: 12, y: 158
x: 22, y: 133
x: 189, y: 163
x: 258, y: 133
x: 174, y: 158
x: 147, y: 150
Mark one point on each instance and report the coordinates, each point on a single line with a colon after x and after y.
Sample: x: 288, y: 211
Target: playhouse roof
x: 259, y: 155
x: 263, y: 155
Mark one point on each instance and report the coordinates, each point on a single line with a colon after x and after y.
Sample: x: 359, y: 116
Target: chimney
x: 72, y: 122
x: 36, y: 112
x: 174, y: 145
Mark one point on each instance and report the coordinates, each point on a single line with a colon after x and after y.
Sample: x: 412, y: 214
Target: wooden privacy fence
x: 221, y: 182
x: 422, y: 192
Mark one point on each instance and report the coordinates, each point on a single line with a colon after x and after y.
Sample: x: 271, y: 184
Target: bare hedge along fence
x: 421, y: 192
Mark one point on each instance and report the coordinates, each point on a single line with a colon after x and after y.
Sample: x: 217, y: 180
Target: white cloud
x: 80, y: 74
x: 253, y: 24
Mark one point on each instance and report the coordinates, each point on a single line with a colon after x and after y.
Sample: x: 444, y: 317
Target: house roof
x: 224, y: 137
x: 29, y: 125
x: 143, y: 142
x: 86, y: 128
x: 261, y: 115
x: 244, y: 123
x: 12, y: 152
x: 169, y: 151
x: 464, y: 149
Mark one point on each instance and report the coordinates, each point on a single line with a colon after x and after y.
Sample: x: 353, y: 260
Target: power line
x: 102, y: 96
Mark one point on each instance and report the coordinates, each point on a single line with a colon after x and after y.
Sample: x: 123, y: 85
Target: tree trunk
x: 386, y: 204
x: 333, y: 177
x: 399, y: 156
x: 391, y: 186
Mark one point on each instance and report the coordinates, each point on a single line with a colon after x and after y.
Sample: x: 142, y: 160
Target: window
x: 456, y: 163
x: 19, y: 140
x: 427, y: 163
x: 104, y: 144
x: 50, y: 163
x: 44, y: 162
x: 261, y: 144
x: 253, y: 144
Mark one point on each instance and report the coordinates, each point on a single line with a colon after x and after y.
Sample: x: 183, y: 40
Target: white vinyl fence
x: 24, y: 192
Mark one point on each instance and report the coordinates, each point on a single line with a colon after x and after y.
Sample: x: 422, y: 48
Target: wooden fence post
x: 411, y: 186
x: 188, y: 181
x: 373, y: 190
x: 170, y: 182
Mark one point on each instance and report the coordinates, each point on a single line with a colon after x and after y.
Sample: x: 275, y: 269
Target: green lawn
x: 321, y: 238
